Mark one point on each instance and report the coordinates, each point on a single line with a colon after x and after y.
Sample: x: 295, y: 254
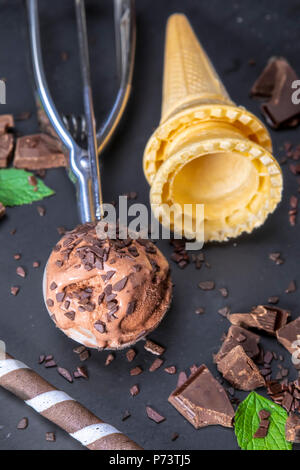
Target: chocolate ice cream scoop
x: 106, y: 293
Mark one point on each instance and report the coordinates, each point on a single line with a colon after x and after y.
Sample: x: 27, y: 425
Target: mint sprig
x: 247, y: 423
x: 15, y: 189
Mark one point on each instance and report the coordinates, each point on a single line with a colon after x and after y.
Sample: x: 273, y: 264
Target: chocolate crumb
x: 206, y: 285
x: 50, y: 436
x: 22, y: 424
x: 14, y: 290
x: 126, y: 415
x: 170, y: 370
x: 110, y: 358
x: 21, y: 271
x: 130, y: 354
x: 82, y: 372
x: 156, y: 364
x: 65, y: 374
x: 136, y: 371
x: 41, y: 211
x: 134, y: 391
x: 154, y: 415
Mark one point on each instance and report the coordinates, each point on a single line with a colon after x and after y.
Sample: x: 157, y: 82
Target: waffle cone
x: 207, y: 150
x: 189, y: 76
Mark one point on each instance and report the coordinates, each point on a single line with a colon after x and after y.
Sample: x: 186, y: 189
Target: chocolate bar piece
x: 202, y: 400
x: 266, y: 318
x: 276, y: 83
x: 292, y: 429
x: 288, y: 334
x: 6, y: 148
x: 239, y: 336
x: 240, y: 370
x: 6, y: 123
x: 38, y: 152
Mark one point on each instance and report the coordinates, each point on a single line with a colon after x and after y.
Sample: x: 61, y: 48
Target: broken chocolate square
x: 202, y: 400
x: 275, y: 83
x: 239, y: 336
x: 266, y: 318
x: 38, y: 151
x: 238, y: 369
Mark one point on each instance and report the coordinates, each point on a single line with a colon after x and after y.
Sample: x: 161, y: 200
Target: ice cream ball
x: 106, y: 294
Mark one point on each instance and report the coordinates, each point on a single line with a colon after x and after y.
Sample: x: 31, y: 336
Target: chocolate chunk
x: 288, y: 334
x: 156, y: 364
x: 70, y: 315
x: 266, y: 318
x: 110, y: 358
x: 23, y: 423
x: 60, y: 296
x: 134, y: 390
x: 199, y: 311
x: 50, y: 302
x: 6, y: 123
x: 207, y: 285
x: 41, y: 211
x: 14, y: 290
x: 154, y: 415
x: 79, y: 349
x: 273, y: 300
x: 291, y: 288
x: 38, y: 151
x: 239, y: 336
x: 21, y: 271
x: 42, y: 358
x: 182, y: 377
x: 154, y: 348
x: 50, y: 364
x: 224, y: 292
x: 276, y: 84
x: 262, y: 430
x: 50, y: 436
x: 65, y: 374
x: 126, y: 415
x: 6, y: 149
x: 264, y: 414
x: 287, y: 401
x: 130, y: 354
x: 203, y: 401
x: 136, y: 371
x: 53, y: 285
x: 131, y: 307
x: 120, y: 284
x: 100, y: 326
x: 170, y: 370
x: 81, y: 372
x: 84, y: 355
x: 101, y: 298
x: 239, y: 370
x: 292, y: 429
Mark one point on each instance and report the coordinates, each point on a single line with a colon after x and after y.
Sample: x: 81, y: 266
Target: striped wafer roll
x: 60, y: 408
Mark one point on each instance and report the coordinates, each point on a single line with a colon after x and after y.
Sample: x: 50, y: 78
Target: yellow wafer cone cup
x: 207, y: 150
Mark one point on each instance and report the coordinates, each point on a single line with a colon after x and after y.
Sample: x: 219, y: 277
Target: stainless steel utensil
x: 84, y: 163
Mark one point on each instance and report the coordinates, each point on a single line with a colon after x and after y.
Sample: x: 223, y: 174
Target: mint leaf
x: 15, y: 189
x: 247, y: 423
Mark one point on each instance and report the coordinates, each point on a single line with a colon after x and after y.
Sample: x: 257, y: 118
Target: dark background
x: 233, y: 32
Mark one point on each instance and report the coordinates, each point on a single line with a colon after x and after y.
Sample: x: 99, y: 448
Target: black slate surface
x: 232, y: 34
